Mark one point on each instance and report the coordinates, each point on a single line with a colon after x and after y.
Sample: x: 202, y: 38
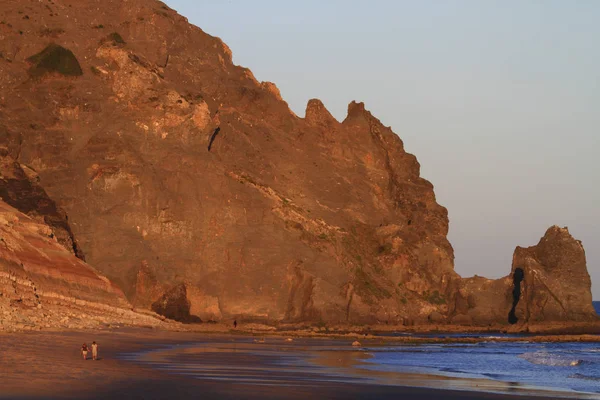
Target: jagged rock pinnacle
x: 317, y: 113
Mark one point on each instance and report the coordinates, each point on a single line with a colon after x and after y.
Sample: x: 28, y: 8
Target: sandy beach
x: 49, y: 365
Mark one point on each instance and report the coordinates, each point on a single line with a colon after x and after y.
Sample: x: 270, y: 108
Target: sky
x: 499, y: 101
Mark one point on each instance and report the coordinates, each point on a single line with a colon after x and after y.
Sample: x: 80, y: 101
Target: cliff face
x: 194, y: 188
x: 165, y: 154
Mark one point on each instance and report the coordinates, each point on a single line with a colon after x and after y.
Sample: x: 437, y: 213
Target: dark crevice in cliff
x: 350, y: 297
x: 517, y: 279
x: 212, y: 138
x: 166, y: 62
x: 58, y: 221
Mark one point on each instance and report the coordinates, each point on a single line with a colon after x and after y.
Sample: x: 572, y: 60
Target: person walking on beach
x: 94, y: 350
x: 84, y: 351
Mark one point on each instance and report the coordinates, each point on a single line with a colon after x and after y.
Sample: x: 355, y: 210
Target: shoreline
x: 582, y: 332
x: 48, y: 365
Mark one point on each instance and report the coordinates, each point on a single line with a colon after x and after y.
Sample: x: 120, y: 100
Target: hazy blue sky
x: 499, y: 101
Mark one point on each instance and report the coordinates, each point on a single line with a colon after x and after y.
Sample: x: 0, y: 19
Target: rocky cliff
x: 195, y: 189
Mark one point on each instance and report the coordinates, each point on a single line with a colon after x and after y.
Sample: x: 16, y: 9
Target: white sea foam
x: 551, y: 359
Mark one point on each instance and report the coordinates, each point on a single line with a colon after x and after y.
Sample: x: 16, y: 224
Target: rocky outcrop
x: 182, y: 302
x: 549, y: 283
x: 175, y: 305
x: 187, y: 303
x: 555, y: 284
x: 194, y: 188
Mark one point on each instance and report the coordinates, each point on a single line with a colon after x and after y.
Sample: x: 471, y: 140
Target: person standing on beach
x: 94, y: 350
x: 84, y: 351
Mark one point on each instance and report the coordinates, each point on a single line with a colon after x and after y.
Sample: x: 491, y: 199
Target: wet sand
x: 49, y: 365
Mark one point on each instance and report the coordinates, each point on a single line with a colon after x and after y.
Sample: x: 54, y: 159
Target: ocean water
x: 567, y: 367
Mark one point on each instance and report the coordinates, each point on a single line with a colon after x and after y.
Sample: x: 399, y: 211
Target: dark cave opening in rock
x: 518, y: 276
x: 213, y: 137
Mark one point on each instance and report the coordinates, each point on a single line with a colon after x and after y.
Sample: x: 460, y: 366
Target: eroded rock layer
x: 42, y: 285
